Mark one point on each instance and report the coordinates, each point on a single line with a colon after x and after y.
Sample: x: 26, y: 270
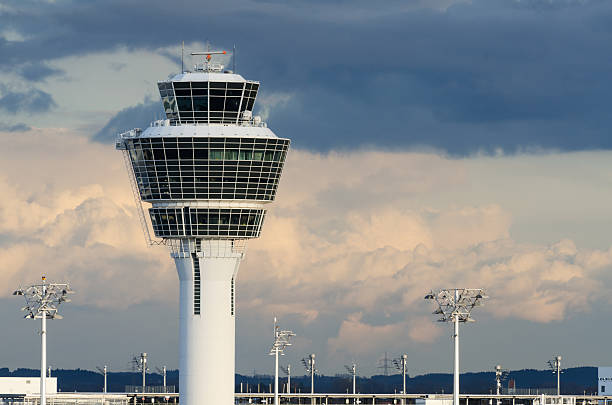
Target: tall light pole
x: 287, y: 371
x: 500, y: 375
x: 352, y: 369
x: 140, y: 364
x: 455, y: 305
x: 42, y: 301
x: 143, y: 368
x: 555, y: 366
x: 402, y: 365
x: 281, y: 341
x: 162, y: 371
x: 309, y: 364
x: 103, y: 372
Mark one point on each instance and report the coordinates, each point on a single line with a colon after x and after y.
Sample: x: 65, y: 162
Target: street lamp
x: 455, y: 305
x: 281, y: 341
x: 555, y: 366
x: 402, y: 365
x: 42, y: 301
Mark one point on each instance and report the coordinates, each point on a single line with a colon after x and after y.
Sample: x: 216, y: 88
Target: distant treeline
x: 573, y: 381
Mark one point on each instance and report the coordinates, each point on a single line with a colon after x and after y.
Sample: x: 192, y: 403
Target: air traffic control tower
x: 209, y: 170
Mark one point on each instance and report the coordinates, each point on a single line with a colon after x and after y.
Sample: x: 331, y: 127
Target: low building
x: 26, y: 385
x: 604, y: 380
x: 433, y: 400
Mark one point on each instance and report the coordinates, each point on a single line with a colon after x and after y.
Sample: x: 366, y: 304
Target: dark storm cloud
x: 475, y: 77
x: 28, y: 101
x: 13, y: 128
x: 36, y: 72
x: 137, y: 116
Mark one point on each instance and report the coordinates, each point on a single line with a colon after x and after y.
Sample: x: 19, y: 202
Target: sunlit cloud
x: 352, y: 237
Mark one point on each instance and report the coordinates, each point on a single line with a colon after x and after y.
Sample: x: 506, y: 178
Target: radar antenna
x: 207, y: 66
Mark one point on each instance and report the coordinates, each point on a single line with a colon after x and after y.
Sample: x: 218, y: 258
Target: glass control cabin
x: 207, y: 101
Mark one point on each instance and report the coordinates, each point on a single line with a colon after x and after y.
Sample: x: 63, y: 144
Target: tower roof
x: 204, y: 76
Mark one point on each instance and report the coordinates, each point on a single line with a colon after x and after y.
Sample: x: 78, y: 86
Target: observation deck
x: 210, y: 166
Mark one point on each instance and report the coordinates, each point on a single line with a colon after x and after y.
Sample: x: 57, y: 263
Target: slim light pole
x: 103, y: 371
x: 455, y: 305
x: 281, y: 341
x: 287, y: 371
x: 500, y: 375
x: 402, y: 365
x: 555, y: 366
x: 162, y: 371
x: 143, y: 366
x: 352, y: 369
x: 42, y: 301
x: 310, y: 368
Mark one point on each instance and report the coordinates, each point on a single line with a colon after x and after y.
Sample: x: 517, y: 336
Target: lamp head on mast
x: 281, y: 339
x: 43, y: 300
x: 456, y: 303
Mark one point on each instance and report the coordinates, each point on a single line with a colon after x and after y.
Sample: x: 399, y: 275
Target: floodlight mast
x: 456, y: 305
x: 42, y: 302
x: 281, y: 341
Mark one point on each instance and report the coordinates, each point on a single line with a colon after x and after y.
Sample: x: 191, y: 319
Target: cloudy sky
x: 435, y: 144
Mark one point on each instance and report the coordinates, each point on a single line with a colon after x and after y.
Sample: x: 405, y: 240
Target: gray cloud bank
x: 138, y: 116
x: 14, y: 127
x: 462, y: 77
x: 29, y: 101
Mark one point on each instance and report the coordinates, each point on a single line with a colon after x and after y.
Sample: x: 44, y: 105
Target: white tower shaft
x: 206, y: 327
